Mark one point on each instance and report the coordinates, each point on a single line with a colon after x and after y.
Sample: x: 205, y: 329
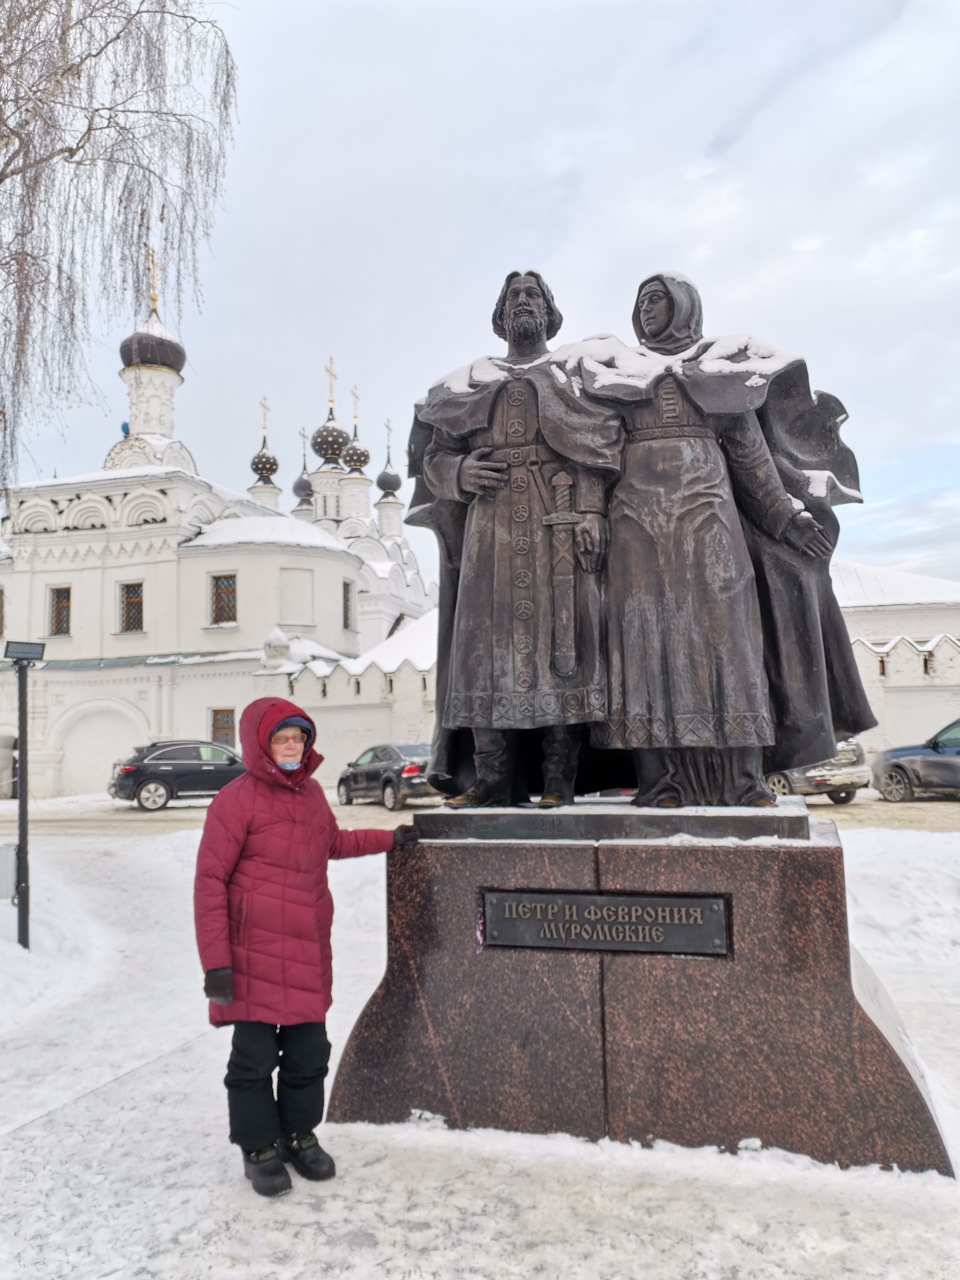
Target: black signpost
x: 23, y: 655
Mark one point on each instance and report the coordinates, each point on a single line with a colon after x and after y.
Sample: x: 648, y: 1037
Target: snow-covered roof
x: 415, y: 643
x: 277, y: 530
x: 98, y: 477
x: 859, y: 586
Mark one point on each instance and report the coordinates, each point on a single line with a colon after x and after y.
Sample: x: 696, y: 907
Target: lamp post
x: 22, y: 654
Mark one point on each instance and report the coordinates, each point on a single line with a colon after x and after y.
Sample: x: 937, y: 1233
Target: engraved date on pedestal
x: 677, y: 925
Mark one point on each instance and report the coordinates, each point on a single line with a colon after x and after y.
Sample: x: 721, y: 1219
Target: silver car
x: 840, y: 778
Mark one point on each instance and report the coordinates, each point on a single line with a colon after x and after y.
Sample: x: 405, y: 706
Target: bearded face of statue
x: 525, y: 312
x: 656, y: 309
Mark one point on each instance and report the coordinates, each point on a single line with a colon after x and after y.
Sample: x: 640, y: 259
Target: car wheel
x: 343, y: 794
x: 779, y: 784
x: 153, y: 795
x: 895, y: 786
x: 391, y: 797
x: 842, y: 797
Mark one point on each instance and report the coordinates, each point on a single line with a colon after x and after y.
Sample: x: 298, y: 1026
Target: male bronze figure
x: 529, y: 462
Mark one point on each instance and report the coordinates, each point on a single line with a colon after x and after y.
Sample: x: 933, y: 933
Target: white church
x: 167, y: 603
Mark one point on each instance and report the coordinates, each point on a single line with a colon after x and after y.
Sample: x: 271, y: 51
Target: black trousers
x: 301, y: 1052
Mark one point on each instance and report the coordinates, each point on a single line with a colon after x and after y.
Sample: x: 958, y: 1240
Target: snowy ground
x: 115, y: 1161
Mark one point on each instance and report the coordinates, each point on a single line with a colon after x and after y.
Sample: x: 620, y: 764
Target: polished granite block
x: 486, y: 1037
x: 612, y: 819
x: 767, y: 1041
x: 770, y: 1041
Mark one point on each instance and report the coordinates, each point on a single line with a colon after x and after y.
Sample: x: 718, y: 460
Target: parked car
x: 165, y: 771
x: 840, y: 778
x: 933, y: 765
x: 392, y: 773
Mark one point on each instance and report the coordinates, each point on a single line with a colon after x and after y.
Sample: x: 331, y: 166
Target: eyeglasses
x: 281, y: 739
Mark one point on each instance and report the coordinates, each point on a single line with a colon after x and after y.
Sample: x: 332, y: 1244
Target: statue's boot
x: 561, y: 749
x: 492, y: 785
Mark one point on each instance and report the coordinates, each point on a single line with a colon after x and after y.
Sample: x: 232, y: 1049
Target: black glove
x: 405, y: 839
x: 218, y: 985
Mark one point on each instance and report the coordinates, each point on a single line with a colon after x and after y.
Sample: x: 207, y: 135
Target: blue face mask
x: 288, y: 766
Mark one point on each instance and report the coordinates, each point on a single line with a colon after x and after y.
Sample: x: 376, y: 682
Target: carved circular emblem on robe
x: 521, y: 546
x: 516, y: 456
x: 521, y: 512
x: 523, y: 644
x: 519, y: 482
x: 549, y: 704
x: 515, y: 396
x: 502, y: 706
x: 525, y: 706
x: 524, y: 679
x: 597, y: 700
x: 516, y: 427
x: 572, y: 701
x: 481, y: 705
x: 522, y: 578
x: 523, y: 609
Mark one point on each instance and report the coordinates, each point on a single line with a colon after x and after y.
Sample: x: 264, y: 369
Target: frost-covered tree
x: 115, y: 116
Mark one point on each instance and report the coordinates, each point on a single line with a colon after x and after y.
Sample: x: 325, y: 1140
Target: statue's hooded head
x: 552, y: 317
x: 667, y: 316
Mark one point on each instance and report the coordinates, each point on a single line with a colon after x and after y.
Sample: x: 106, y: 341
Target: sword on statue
x: 564, y: 576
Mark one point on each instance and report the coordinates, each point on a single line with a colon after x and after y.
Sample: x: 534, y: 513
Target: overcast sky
x: 393, y: 161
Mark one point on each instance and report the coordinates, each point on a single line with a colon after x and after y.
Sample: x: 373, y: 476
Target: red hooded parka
x: 261, y: 901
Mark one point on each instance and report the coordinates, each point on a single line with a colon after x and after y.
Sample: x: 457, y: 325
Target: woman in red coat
x: 263, y: 915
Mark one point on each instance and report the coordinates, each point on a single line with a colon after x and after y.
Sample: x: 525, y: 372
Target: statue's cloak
x: 817, y: 697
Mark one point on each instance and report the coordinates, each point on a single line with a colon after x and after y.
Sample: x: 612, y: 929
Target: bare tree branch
x: 115, y: 116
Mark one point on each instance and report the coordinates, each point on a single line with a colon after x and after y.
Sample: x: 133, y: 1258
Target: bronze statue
x: 715, y: 652
x: 694, y: 654
x: 529, y: 462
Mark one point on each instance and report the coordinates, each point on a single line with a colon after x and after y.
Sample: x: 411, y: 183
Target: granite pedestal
x: 775, y: 1036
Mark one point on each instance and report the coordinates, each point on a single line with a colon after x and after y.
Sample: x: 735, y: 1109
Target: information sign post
x: 23, y: 655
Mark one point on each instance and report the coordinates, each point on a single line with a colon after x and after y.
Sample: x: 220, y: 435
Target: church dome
x: 388, y: 481
x: 329, y: 441
x: 264, y: 464
x: 153, y: 345
x: 355, y: 456
x: 302, y: 488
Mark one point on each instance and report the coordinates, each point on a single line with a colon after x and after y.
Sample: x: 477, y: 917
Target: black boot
x: 490, y: 758
x: 265, y: 1170
x: 305, y: 1153
x: 561, y: 747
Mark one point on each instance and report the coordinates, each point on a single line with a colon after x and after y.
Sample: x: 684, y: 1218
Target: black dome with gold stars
x: 330, y: 440
x: 264, y: 464
x: 355, y: 456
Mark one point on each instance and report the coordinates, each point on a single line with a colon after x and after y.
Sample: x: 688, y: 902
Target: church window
x: 3, y: 610
x: 224, y: 602
x: 389, y: 684
x: 356, y: 687
x: 60, y: 611
x: 336, y: 506
x: 223, y: 726
x: 131, y: 606
x: 347, y: 606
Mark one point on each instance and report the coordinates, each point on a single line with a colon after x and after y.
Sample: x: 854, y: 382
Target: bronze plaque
x: 678, y: 925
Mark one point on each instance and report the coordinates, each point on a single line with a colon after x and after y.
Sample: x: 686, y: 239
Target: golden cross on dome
x: 332, y: 377
x: 389, y: 433
x: 356, y: 397
x: 266, y: 409
x: 153, y: 272
x: 303, y: 440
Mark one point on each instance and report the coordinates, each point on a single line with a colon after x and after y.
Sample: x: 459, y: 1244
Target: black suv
x: 933, y: 765
x: 393, y: 774
x: 177, y: 770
